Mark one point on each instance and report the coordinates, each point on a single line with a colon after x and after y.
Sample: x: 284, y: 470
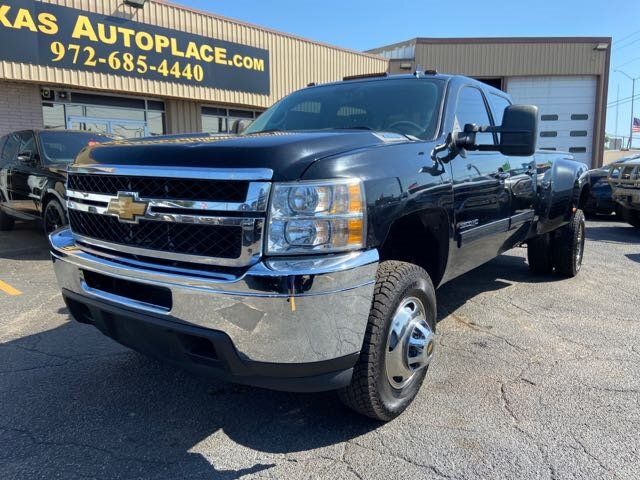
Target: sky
x: 361, y: 25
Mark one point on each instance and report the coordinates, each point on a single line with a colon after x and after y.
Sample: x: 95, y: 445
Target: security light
x: 601, y: 47
x: 135, y: 3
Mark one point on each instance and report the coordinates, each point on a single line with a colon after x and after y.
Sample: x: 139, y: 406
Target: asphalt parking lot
x: 534, y: 378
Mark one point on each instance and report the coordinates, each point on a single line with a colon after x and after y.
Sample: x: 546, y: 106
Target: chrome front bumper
x: 286, y: 311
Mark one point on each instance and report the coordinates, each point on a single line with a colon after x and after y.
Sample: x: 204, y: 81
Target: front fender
x: 559, y: 191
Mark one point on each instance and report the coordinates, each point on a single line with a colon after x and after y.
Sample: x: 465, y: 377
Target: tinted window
x: 548, y: 118
x: 404, y: 106
x: 498, y: 104
x: 10, y: 148
x: 578, y: 149
x: 578, y: 133
x: 62, y: 147
x: 549, y: 134
x: 2, y: 140
x: 472, y: 109
x: 27, y: 144
x: 615, y: 172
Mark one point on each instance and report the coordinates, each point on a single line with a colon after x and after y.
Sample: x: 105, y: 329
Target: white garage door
x: 567, y: 107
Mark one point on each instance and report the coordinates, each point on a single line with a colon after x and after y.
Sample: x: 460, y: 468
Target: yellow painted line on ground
x: 8, y: 289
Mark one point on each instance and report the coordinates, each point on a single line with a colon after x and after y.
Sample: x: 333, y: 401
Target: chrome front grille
x: 161, y: 188
x: 201, y: 216
x: 222, y: 241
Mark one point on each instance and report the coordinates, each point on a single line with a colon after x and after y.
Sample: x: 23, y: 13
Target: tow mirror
x: 240, y: 126
x: 518, y: 133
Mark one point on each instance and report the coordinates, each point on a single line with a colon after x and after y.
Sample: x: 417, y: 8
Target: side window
x: 472, y: 109
x: 498, y: 104
x: 2, y: 161
x: 27, y: 143
x: 10, y: 149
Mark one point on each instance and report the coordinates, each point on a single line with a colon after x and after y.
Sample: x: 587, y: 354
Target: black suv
x: 624, y: 178
x: 33, y: 166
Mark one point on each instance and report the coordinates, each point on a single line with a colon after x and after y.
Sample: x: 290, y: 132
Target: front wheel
x: 399, y: 343
x: 633, y: 218
x: 53, y: 217
x: 6, y: 221
x: 568, y: 246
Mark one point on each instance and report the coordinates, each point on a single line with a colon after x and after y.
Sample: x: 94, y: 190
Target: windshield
x: 63, y: 147
x: 406, y: 106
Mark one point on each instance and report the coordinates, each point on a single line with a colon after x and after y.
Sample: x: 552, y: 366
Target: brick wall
x: 20, y: 107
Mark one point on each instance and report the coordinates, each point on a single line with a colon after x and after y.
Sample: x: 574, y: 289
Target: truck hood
x: 288, y: 154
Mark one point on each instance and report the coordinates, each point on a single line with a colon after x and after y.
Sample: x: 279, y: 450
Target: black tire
x: 53, y: 217
x: 568, y: 246
x: 633, y: 217
x: 6, y: 221
x: 371, y: 393
x: 540, y: 255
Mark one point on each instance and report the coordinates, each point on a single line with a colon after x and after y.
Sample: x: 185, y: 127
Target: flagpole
x: 633, y: 92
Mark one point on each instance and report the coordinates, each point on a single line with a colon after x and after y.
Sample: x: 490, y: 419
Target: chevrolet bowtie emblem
x: 127, y: 207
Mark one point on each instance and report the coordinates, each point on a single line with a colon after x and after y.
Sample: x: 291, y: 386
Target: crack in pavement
x: 592, y: 456
x: 483, y: 330
x: 506, y: 404
x: 32, y: 437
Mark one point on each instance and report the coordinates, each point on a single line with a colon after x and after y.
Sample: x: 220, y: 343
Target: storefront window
x: 53, y: 115
x: 121, y: 116
x: 155, y: 123
x: 221, y: 120
x: 214, y: 120
x: 115, y: 113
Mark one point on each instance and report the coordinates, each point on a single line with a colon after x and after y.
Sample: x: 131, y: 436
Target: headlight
x: 325, y: 216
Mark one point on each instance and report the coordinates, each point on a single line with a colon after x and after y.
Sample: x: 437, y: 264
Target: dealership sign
x: 51, y: 35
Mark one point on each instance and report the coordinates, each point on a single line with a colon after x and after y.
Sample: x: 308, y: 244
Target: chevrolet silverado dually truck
x: 304, y: 254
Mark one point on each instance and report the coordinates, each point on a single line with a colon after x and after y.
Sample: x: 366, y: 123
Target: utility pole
x: 633, y: 92
x: 617, y: 112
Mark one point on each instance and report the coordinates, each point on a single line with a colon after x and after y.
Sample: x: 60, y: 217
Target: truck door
x: 521, y: 183
x: 9, y: 154
x: 25, y: 181
x: 4, y: 174
x: 481, y: 200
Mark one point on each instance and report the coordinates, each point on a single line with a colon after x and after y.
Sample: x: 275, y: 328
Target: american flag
x: 636, y: 124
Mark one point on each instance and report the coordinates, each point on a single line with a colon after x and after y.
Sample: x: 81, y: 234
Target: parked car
x: 33, y: 167
x: 304, y: 254
x: 624, y: 178
x: 600, y: 200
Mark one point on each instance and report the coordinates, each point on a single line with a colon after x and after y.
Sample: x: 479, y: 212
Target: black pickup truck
x: 304, y: 254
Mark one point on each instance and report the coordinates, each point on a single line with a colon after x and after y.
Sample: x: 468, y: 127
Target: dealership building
x: 162, y: 69
x: 105, y: 66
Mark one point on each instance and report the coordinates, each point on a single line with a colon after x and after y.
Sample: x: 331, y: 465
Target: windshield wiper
x: 356, y: 127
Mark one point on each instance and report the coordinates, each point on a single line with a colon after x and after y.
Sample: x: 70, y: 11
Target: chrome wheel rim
x: 410, y: 343
x: 580, y: 249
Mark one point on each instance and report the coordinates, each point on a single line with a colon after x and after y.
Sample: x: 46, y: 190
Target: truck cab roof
x: 418, y: 75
